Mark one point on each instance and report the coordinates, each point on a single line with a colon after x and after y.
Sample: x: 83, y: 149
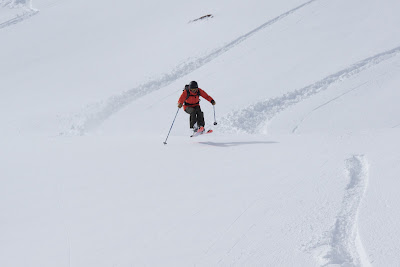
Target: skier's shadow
x: 230, y: 144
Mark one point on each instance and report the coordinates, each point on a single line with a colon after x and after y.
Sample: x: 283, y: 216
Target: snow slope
x: 301, y: 169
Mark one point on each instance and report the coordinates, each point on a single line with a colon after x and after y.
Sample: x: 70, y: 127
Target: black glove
x: 213, y: 102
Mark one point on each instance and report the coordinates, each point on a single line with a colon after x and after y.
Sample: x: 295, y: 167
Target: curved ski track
x: 89, y: 120
x: 252, y: 119
x: 342, y: 244
x: 326, y: 103
x: 28, y: 12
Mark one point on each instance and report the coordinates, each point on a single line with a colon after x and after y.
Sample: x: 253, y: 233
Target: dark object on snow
x: 203, y: 17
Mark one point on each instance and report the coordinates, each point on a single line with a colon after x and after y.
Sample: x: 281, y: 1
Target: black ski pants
x: 196, y: 115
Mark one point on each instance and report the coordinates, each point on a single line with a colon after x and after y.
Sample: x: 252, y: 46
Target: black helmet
x: 193, y: 85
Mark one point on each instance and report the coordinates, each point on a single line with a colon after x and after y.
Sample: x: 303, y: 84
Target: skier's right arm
x: 182, y: 99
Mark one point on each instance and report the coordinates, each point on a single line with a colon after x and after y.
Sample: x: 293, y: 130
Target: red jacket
x: 193, y: 99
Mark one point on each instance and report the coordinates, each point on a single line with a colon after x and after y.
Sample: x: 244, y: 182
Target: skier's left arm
x: 206, y: 96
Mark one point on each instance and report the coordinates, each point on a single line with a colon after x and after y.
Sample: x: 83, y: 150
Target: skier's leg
x: 192, y: 119
x: 200, y: 117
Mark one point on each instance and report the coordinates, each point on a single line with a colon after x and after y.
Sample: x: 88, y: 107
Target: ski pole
x: 165, y: 142
x: 215, y: 121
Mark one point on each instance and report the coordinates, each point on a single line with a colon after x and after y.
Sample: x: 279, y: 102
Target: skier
x: 190, y: 100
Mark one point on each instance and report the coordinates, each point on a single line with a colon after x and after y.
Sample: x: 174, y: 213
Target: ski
x: 201, y: 131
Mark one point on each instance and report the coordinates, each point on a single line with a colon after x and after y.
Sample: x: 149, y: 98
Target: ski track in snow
x: 252, y: 118
x: 28, y: 11
x: 326, y: 103
x: 98, y: 113
x: 342, y: 245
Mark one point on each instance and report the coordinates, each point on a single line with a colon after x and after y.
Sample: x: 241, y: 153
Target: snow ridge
x: 342, y: 244
x: 98, y: 113
x: 27, y: 11
x: 253, y: 118
x: 346, y: 247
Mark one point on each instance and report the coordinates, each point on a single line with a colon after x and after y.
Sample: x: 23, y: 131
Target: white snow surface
x: 301, y: 170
